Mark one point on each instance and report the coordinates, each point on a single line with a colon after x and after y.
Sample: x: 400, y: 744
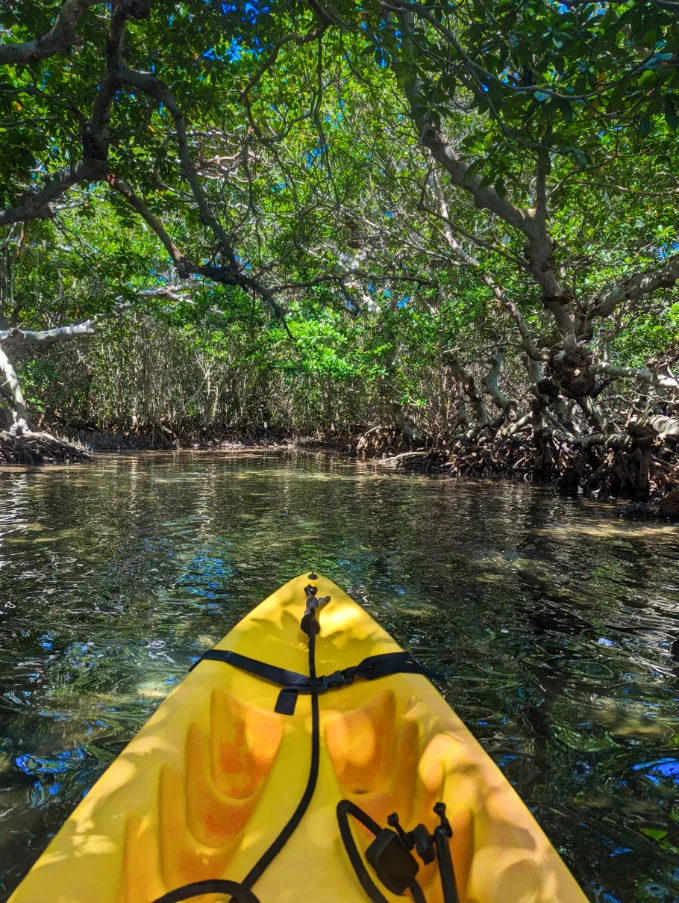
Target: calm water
x: 556, y: 625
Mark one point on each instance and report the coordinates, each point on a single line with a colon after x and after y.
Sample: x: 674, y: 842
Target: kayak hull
x: 215, y: 774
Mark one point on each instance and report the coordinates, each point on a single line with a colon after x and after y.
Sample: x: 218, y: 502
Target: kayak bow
x: 242, y: 783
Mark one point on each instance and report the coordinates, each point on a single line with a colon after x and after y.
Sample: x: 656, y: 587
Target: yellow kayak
x: 255, y: 781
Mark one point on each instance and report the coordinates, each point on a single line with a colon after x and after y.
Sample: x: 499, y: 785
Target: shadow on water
x: 556, y: 625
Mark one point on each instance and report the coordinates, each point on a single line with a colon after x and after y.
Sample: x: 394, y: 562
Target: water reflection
x: 556, y: 625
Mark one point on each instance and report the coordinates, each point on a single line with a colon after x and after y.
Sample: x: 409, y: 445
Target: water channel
x: 555, y: 623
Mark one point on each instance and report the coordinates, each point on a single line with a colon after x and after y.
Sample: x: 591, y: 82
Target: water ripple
x: 555, y: 624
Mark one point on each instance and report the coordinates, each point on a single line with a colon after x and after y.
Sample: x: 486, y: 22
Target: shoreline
x: 472, y: 462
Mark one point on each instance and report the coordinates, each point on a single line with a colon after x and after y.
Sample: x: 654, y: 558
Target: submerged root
x: 645, y: 473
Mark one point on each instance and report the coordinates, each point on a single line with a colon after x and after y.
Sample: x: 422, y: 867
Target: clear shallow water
x: 556, y: 625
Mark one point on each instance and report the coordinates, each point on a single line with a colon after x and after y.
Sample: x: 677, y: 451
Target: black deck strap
x: 345, y: 808
x: 371, y: 668
x: 383, y: 665
x: 275, y: 675
x: 241, y: 891
x: 238, y: 892
x: 294, y: 683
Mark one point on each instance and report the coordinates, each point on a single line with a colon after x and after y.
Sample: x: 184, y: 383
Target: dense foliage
x: 450, y: 220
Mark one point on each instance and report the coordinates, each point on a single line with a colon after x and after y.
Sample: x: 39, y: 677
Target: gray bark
x: 18, y: 336
x: 490, y: 381
x: 20, y: 413
x: 58, y: 39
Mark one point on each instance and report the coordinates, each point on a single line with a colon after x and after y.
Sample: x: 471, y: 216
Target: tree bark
x: 21, y: 422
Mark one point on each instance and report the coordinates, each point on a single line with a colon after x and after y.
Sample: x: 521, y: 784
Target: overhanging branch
x: 633, y: 288
x: 225, y: 275
x: 183, y: 265
x: 641, y: 373
x: 58, y: 39
x: 18, y: 336
x: 94, y: 165
x: 273, y: 56
x: 500, y: 295
x: 39, y: 205
x: 63, y: 34
x: 154, y: 87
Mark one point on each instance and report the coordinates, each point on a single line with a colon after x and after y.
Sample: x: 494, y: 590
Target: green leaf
x: 671, y: 117
x: 579, y: 155
x: 655, y: 833
x: 472, y: 170
x: 617, y: 98
x: 565, y: 108
x: 644, y: 124
x: 648, y: 79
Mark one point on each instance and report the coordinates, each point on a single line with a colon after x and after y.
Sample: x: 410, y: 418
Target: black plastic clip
x: 424, y: 844
x: 393, y: 862
x: 427, y: 846
x: 336, y: 679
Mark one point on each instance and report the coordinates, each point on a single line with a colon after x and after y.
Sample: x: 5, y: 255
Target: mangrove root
x: 38, y: 448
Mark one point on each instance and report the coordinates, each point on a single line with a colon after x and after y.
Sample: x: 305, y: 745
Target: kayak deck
x: 215, y: 774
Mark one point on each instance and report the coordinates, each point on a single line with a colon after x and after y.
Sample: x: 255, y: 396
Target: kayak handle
x: 309, y: 622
